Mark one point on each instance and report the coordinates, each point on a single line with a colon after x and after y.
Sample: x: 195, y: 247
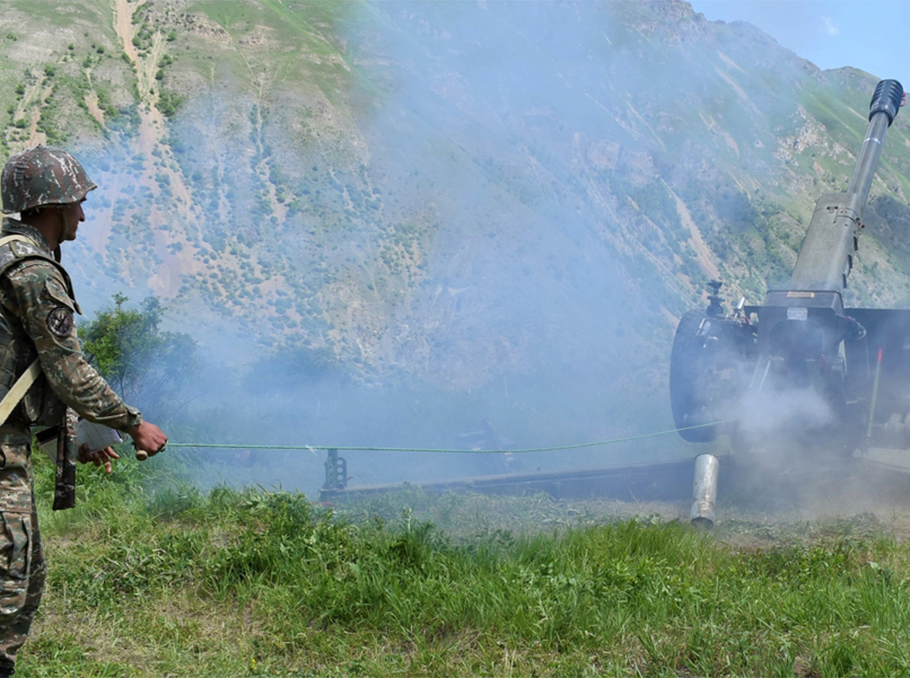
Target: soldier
x: 47, y: 187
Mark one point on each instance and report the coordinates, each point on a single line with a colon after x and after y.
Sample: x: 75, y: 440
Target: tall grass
x: 256, y: 583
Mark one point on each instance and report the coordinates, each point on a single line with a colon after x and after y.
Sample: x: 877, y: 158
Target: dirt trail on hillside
x: 35, y: 137
x: 152, y: 128
x: 91, y: 102
x: 701, y: 249
x: 123, y: 24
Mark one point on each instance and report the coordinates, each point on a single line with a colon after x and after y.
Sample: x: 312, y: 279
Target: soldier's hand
x: 99, y: 457
x: 148, y: 438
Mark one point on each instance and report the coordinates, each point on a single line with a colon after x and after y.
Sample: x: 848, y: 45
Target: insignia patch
x: 60, y: 322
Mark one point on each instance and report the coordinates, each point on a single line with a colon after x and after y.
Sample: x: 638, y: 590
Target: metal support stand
x: 704, y: 493
x: 875, y: 380
x: 336, y: 472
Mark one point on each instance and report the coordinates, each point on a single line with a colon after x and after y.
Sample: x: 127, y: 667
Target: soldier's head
x: 42, y: 178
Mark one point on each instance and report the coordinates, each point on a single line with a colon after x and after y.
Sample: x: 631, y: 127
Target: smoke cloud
x: 484, y: 220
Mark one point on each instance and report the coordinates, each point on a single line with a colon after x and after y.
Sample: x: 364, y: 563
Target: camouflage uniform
x: 36, y: 320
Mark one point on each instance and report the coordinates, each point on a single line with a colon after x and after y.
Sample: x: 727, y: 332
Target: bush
x: 140, y: 360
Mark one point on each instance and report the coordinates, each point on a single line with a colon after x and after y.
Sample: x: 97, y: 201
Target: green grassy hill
x: 264, y: 584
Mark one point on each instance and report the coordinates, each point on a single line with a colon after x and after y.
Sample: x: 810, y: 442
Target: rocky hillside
x: 522, y: 195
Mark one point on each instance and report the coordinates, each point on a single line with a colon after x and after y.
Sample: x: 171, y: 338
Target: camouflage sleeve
x: 46, y: 312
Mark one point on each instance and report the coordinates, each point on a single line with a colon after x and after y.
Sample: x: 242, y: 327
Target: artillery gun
x: 801, y: 369
x: 800, y: 374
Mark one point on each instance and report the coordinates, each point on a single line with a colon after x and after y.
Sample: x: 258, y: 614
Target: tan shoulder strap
x: 18, y: 390
x: 14, y: 238
x: 31, y: 374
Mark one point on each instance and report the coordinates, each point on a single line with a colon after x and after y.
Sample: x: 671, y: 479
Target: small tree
x: 141, y: 362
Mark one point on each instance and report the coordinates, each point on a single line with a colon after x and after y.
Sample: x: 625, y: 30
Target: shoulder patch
x: 60, y: 322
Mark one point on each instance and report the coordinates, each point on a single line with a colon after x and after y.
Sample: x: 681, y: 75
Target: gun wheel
x: 693, y: 374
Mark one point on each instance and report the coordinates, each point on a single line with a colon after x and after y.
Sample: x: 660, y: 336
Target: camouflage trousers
x: 22, y: 566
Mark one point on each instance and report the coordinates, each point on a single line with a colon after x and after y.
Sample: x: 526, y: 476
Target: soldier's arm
x: 37, y: 292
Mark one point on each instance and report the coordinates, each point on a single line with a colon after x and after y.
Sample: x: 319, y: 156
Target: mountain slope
x: 463, y: 193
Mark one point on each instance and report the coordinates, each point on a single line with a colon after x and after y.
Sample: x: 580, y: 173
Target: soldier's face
x: 71, y: 215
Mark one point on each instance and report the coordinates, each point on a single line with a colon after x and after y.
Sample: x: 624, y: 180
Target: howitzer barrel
x: 885, y: 104
x: 826, y: 257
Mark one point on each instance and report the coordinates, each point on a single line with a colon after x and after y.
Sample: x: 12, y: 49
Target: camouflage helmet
x: 42, y: 176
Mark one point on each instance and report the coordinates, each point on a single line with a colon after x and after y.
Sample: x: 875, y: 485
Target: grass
x: 253, y: 583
